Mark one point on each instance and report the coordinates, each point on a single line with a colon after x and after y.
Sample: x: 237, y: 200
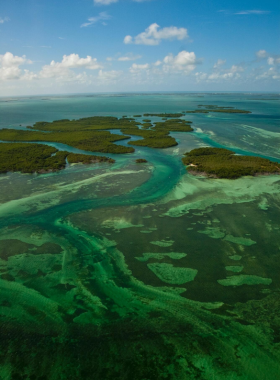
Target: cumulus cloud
x: 138, y: 68
x: 28, y: 75
x: 93, y: 20
x: 271, y: 73
x: 261, y: 54
x: 72, y: 61
x: 9, y: 66
x: 181, y: 64
x: 273, y: 60
x: 183, y: 61
x: 154, y: 34
x: 8, y: 60
x: 219, y: 74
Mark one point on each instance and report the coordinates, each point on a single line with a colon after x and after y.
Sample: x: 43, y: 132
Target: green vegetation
x: 212, y: 108
x: 147, y: 120
x: 90, y: 134
x: 151, y: 138
x: 174, y: 125
x: 141, y: 161
x: 158, y: 136
x: 137, y: 115
x: 85, y: 124
x: 146, y: 125
x: 40, y: 158
x: 223, y: 163
x: 94, y: 141
x: 164, y: 114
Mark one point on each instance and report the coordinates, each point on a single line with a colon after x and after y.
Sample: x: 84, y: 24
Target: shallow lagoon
x: 143, y: 271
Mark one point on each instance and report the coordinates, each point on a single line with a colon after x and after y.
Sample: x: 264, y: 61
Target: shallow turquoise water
x: 75, y: 298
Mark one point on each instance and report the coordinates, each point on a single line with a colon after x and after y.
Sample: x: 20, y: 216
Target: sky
x: 94, y: 46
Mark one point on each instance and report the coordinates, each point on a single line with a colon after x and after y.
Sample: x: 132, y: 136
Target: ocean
x: 129, y: 271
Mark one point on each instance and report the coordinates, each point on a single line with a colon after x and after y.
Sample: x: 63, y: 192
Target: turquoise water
x: 130, y: 271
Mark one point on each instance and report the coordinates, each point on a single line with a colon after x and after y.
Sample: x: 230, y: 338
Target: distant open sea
x: 252, y: 133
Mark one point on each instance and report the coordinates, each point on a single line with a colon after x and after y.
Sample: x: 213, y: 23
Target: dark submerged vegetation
x: 73, y: 158
x: 141, y: 161
x: 223, y: 163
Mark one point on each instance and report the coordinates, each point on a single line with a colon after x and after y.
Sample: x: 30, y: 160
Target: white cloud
x: 261, y: 53
x: 200, y: 76
x: 93, y: 20
x: 246, y: 12
x: 124, y: 58
x: 5, y: 19
x: 219, y: 63
x: 128, y: 40
x: 8, y: 60
x: 183, y: 61
x: 273, y: 60
x: 270, y: 61
x: 153, y: 35
x: 271, y: 73
x: 138, y: 68
x: 219, y: 74
x: 104, y: 2
x: 129, y: 57
x: 9, y: 66
x: 72, y: 61
x: 28, y: 75
x: 236, y: 69
x: 109, y: 76
x: 13, y: 72
x: 252, y: 12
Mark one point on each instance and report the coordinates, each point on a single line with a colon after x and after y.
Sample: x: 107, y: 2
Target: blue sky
x: 76, y: 46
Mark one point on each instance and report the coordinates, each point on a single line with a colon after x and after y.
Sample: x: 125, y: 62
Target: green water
x: 142, y: 271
